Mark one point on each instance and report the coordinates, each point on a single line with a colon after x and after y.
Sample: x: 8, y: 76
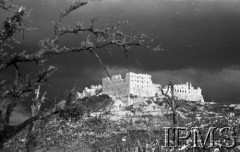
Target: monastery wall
x: 141, y: 85
x: 134, y: 84
x: 117, y: 86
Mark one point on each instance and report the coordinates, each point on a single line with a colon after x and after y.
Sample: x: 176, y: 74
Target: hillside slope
x: 137, y: 128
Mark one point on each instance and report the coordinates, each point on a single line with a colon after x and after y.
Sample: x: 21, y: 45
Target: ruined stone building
x: 187, y: 92
x: 141, y: 85
x: 132, y: 85
x: 87, y: 92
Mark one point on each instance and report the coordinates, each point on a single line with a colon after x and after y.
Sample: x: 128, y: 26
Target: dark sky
x: 200, y: 42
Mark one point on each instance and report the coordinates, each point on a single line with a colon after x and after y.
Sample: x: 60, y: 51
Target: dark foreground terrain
x: 65, y: 134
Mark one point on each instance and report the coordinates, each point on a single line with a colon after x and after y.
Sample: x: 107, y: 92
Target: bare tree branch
x: 27, y: 86
x: 23, y: 86
x: 13, y: 24
x: 9, y: 112
x: 171, y: 101
x: 101, y: 63
x: 73, y: 7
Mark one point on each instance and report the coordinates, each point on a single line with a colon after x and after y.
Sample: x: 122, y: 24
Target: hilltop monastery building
x: 141, y: 85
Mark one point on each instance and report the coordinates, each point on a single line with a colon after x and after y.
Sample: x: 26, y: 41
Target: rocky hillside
x: 134, y: 127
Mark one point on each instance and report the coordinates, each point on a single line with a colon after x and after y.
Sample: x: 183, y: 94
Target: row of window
x: 141, y: 86
x: 142, y: 77
x: 184, y: 91
x: 140, y: 81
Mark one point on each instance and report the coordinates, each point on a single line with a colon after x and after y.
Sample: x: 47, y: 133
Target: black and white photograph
x: 119, y: 75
